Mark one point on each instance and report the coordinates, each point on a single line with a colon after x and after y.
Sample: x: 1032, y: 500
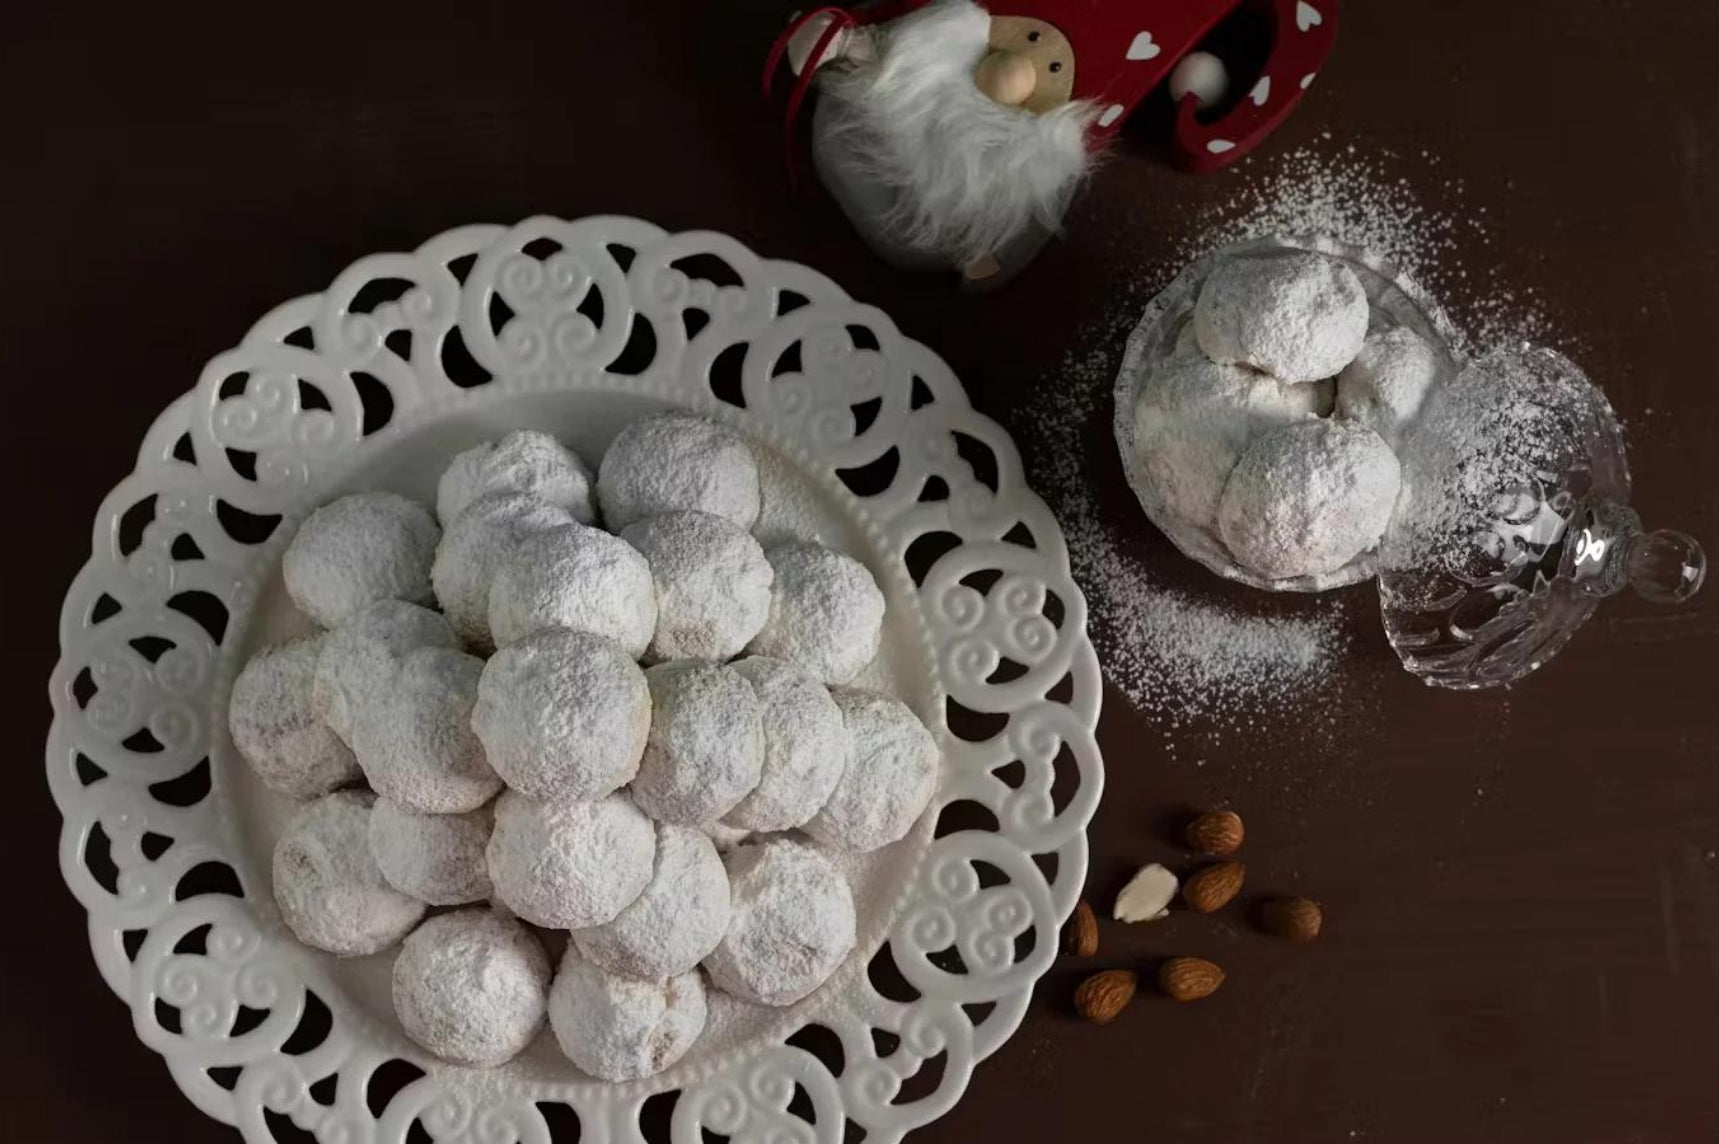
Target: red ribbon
x: 840, y: 20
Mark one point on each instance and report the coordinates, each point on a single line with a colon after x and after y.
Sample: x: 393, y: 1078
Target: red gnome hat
x: 1123, y: 49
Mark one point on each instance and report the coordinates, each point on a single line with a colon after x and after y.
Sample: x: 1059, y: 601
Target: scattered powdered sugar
x: 1308, y: 498
x: 1180, y: 659
x: 678, y: 919
x: 1299, y: 317
x: 1493, y: 435
x: 1366, y: 195
x: 621, y: 1028
x: 472, y: 987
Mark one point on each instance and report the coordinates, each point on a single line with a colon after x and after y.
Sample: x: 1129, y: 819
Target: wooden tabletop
x: 1522, y: 888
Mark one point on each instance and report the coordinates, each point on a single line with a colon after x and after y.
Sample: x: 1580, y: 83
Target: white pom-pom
x: 1201, y: 75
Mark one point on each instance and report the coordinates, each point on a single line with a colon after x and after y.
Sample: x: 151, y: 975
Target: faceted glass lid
x: 1514, y: 522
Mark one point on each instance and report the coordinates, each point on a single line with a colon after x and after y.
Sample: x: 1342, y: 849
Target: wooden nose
x: 1006, y: 77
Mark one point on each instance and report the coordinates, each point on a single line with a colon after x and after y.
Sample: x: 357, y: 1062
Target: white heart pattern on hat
x: 1219, y: 146
x: 1111, y: 115
x: 1307, y: 16
x: 1261, y: 91
x: 1143, y: 48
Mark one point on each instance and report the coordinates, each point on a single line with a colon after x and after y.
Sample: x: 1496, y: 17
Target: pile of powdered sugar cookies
x: 516, y: 720
x: 1276, y: 422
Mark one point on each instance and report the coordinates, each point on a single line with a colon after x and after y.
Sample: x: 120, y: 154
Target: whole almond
x: 1210, y: 889
x: 1189, y: 978
x: 1218, y: 833
x: 1082, y: 936
x: 1103, y: 995
x: 1297, y: 919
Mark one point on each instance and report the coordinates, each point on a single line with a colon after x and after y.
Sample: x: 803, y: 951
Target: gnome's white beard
x: 968, y: 174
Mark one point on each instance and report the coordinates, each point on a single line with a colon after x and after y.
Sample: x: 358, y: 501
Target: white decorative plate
x: 1396, y: 299
x: 576, y: 327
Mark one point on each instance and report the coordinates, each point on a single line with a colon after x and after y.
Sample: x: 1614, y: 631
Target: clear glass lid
x: 1514, y: 522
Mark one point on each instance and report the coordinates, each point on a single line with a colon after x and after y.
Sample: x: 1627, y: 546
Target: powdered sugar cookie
x: 1298, y: 316
x: 415, y: 741
x: 359, y: 657
x: 673, y: 462
x: 792, y: 923
x: 357, y: 550
x: 705, y: 750
x: 1384, y: 388
x: 569, y: 863
x: 329, y: 889
x: 805, y: 747
x: 436, y: 858
x: 889, y: 777
x: 574, y: 577
x: 524, y: 461
x: 563, y: 714
x: 826, y: 612
x: 273, y: 721
x: 676, y: 921
x: 474, y: 546
x: 1309, y: 498
x: 472, y: 987
x: 712, y: 584
x: 621, y: 1028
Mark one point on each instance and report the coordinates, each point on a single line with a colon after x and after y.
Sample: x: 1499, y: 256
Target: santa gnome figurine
x: 955, y: 134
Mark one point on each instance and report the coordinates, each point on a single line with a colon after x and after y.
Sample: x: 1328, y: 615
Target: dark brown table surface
x: 1523, y: 889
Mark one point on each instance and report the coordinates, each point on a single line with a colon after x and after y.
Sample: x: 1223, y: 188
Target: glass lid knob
x: 1666, y: 566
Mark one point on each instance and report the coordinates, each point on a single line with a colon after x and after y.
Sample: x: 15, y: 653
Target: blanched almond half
x: 1147, y: 896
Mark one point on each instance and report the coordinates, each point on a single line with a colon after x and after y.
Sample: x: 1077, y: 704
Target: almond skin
x: 1103, y: 995
x: 1189, y: 978
x: 1297, y: 919
x: 1218, y: 833
x: 1211, y: 889
x: 1081, y: 939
